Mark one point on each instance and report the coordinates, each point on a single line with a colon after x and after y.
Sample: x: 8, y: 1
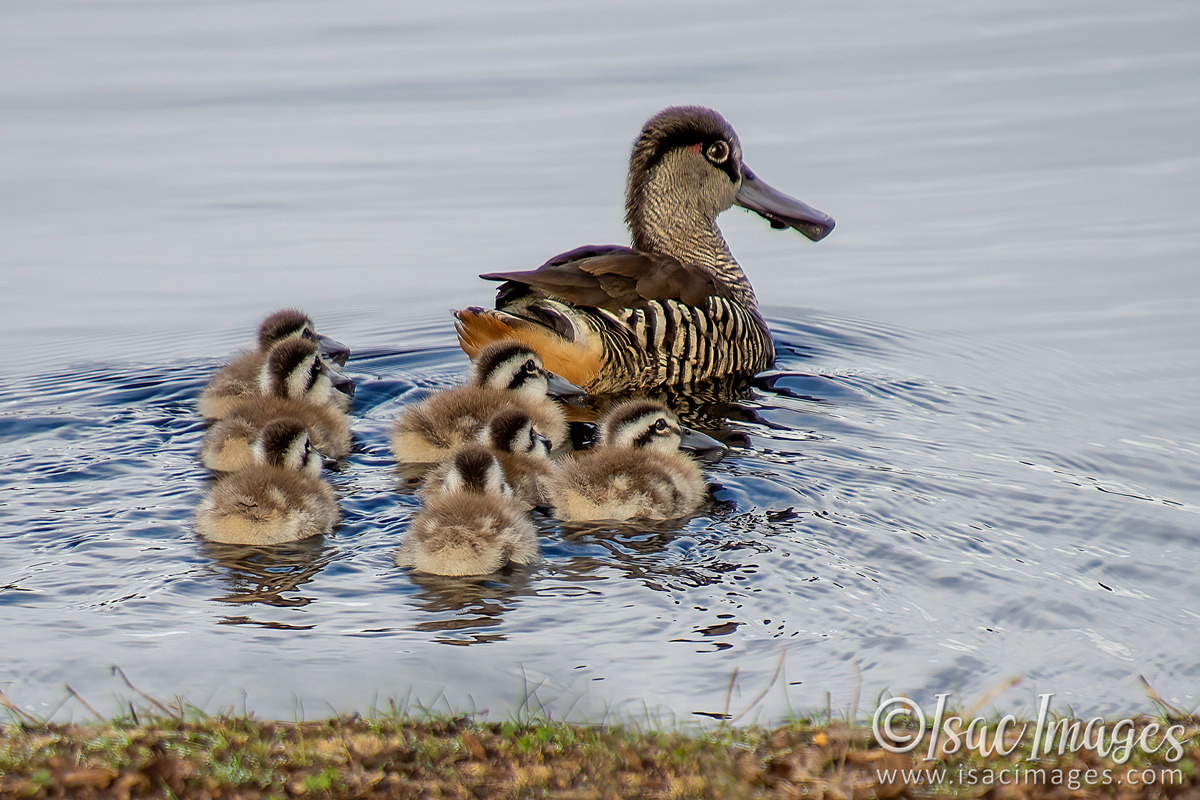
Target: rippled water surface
x: 977, y: 457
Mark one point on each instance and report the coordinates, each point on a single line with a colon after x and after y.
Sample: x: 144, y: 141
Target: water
x: 977, y: 457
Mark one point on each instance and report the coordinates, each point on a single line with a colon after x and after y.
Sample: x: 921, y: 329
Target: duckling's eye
x: 660, y: 425
x: 717, y: 152
x: 529, y: 366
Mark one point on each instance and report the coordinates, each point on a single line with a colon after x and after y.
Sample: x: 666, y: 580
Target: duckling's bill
x: 333, y: 350
x: 694, y: 440
x: 340, y: 380
x: 563, y: 389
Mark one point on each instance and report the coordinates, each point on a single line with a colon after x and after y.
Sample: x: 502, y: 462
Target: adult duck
x: 674, y: 309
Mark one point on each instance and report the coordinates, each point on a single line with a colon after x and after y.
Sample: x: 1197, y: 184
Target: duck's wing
x: 611, y: 277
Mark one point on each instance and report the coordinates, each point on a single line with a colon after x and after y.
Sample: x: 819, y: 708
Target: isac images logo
x: 900, y: 725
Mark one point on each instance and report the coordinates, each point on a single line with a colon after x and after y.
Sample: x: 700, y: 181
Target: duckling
x: 635, y: 471
x: 505, y: 374
x: 292, y: 383
x: 240, y: 377
x: 294, y: 322
x: 524, y: 454
x: 471, y: 525
x: 278, y: 498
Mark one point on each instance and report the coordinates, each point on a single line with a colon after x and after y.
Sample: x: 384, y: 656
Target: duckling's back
x: 432, y: 429
x: 266, y: 505
x: 232, y: 383
x: 626, y: 483
x: 465, y: 533
x: 528, y: 476
x: 226, y: 445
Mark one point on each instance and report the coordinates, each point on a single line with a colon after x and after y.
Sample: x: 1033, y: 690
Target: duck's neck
x: 668, y: 223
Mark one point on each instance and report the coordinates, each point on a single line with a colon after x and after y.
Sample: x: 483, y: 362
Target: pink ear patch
x: 695, y: 148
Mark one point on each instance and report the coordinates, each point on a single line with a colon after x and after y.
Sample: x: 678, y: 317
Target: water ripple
x: 876, y: 514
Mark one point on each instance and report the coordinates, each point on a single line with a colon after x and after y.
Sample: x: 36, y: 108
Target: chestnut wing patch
x: 611, y: 277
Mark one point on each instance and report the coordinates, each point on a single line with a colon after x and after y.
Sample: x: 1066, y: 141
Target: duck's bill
x: 325, y: 461
x: 781, y: 210
x: 333, y: 350
x: 700, y: 442
x: 340, y: 380
x: 563, y: 389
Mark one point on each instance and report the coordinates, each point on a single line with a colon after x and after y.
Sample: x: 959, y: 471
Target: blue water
x: 978, y: 456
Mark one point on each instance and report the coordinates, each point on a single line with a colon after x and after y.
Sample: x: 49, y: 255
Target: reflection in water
x: 665, y: 555
x: 465, y: 607
x: 268, y: 575
x: 707, y: 406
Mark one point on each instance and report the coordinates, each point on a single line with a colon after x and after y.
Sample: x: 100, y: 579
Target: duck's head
x: 294, y: 368
x: 292, y: 322
x: 650, y: 425
x: 686, y: 167
x: 513, y: 367
x: 512, y: 431
x: 284, y: 443
x: 474, y: 469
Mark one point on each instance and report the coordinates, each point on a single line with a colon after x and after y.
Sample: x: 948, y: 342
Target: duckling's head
x: 512, y: 431
x: 292, y: 322
x: 285, y: 324
x: 649, y: 424
x: 284, y: 443
x: 686, y: 168
x: 474, y: 469
x: 641, y: 424
x: 514, y: 367
x: 294, y: 368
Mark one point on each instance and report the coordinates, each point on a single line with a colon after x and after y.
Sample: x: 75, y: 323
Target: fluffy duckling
x: 240, y: 378
x: 294, y: 322
x: 292, y: 383
x: 524, y: 455
x: 507, y: 374
x: 279, y: 498
x: 635, y: 471
x: 471, y: 525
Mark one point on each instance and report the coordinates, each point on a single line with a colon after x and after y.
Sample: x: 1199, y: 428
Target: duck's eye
x: 717, y: 152
x: 529, y: 366
x: 660, y: 425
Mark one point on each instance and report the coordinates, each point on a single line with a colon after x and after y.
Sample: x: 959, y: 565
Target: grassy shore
x: 392, y: 755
